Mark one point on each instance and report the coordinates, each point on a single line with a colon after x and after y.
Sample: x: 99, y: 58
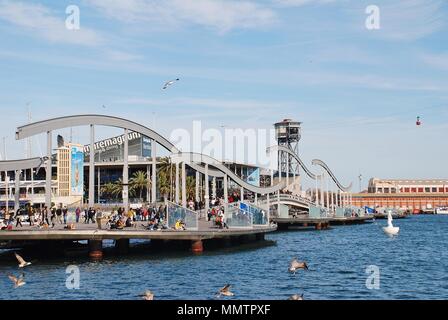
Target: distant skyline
x: 241, y: 64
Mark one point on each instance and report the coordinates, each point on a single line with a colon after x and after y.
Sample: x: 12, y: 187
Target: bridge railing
x: 283, y: 198
x: 260, y: 216
x: 295, y: 198
x: 340, y: 212
x: 235, y: 217
x: 318, y: 212
x: 176, y: 212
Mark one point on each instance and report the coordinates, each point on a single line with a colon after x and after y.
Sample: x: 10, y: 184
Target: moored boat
x: 442, y: 210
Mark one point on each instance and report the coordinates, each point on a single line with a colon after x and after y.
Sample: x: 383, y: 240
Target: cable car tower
x: 288, y: 134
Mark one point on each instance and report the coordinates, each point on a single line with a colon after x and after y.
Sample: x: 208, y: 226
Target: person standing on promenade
x: 145, y: 214
x: 99, y: 217
x: 59, y: 215
x: 86, y: 215
x: 30, y: 212
x: 45, y: 215
x: 91, y: 215
x: 18, y: 218
x: 78, y: 214
x: 53, y: 217
x: 64, y: 214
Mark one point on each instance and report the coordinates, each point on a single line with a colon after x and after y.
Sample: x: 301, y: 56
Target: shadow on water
x: 139, y: 250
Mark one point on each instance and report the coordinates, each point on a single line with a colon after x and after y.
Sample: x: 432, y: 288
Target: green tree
x: 112, y: 189
x: 190, y: 187
x: 168, y: 169
x: 163, y: 184
x: 138, y: 183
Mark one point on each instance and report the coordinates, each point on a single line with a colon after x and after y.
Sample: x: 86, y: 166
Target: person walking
x: 64, y: 214
x: 59, y: 215
x: 31, y: 215
x: 18, y: 218
x: 99, y: 217
x: 86, y: 215
x: 53, y: 217
x: 78, y: 214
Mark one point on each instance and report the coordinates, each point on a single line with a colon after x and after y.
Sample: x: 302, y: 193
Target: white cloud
x: 39, y: 20
x: 222, y: 15
x: 411, y: 19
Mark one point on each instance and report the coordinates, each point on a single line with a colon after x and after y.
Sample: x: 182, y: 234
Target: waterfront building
x: 406, y: 194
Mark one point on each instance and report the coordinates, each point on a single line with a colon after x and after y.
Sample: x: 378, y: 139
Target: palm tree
x: 165, y: 165
x: 167, y: 169
x: 139, y: 182
x: 163, y: 184
x: 190, y: 186
x: 112, y: 189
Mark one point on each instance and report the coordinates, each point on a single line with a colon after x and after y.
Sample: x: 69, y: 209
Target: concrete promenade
x: 89, y: 232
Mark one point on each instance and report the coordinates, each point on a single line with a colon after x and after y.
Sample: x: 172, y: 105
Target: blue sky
x: 244, y: 64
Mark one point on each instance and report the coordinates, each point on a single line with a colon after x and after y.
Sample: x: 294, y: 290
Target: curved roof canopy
x: 22, y: 164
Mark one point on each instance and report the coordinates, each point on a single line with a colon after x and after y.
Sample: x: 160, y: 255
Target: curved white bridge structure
x: 22, y: 164
x: 212, y: 167
x: 314, y: 162
x: 322, y: 164
x: 202, y: 164
x: 17, y: 166
x: 191, y: 157
x: 287, y: 199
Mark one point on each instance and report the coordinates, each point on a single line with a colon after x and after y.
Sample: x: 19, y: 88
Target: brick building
x: 410, y: 194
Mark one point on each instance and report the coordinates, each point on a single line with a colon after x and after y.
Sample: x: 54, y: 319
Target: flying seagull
x: 18, y: 282
x: 226, y: 291
x: 169, y: 83
x: 296, y: 265
x: 22, y: 262
x: 296, y: 297
x: 148, y: 296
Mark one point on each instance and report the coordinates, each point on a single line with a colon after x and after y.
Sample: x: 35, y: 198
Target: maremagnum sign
x: 112, y: 142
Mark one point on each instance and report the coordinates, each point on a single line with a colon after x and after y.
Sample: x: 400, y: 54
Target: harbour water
x: 412, y: 266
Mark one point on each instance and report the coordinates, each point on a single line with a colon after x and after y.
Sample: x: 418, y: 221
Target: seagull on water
x: 296, y: 297
x: 296, y: 265
x: 148, y: 296
x: 22, y: 262
x: 169, y: 83
x: 18, y: 282
x: 226, y: 291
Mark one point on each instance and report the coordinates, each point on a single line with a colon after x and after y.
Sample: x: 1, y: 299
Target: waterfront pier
x: 196, y: 240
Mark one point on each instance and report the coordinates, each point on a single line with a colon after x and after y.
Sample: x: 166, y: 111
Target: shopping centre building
x: 70, y: 172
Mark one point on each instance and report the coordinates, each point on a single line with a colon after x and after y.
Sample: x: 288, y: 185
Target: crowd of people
x: 117, y: 218
x: 44, y: 218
